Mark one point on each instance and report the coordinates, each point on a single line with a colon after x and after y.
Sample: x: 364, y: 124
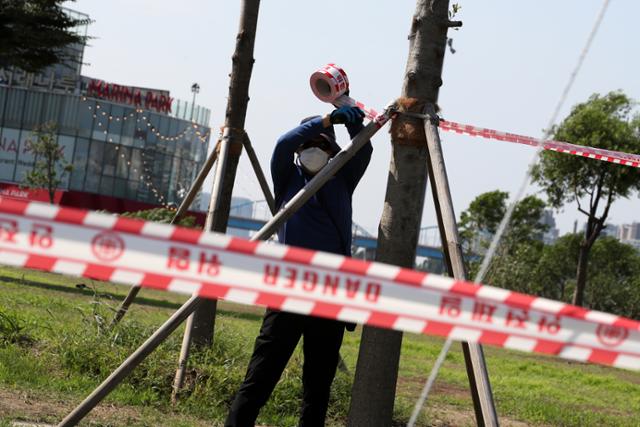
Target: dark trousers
x: 279, y: 335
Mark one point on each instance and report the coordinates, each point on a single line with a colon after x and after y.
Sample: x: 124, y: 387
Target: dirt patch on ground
x: 450, y: 415
x: 30, y: 407
x: 443, y: 416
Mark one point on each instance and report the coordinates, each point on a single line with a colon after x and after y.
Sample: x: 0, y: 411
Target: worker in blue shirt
x: 324, y: 224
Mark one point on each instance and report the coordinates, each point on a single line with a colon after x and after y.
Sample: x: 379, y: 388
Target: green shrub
x: 13, y: 330
x: 161, y: 215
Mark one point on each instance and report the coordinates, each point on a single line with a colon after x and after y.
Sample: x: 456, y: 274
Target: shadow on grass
x: 81, y: 289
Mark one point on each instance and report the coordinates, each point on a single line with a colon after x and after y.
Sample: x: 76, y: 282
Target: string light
x: 193, y: 127
x: 145, y: 176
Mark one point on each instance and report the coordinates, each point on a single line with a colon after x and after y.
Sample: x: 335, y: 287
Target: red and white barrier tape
x: 618, y: 157
x: 134, y: 252
x: 330, y: 83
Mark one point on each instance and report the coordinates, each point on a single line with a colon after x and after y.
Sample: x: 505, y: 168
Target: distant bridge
x: 428, y: 257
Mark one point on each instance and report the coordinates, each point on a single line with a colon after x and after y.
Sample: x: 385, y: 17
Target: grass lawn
x: 55, y: 348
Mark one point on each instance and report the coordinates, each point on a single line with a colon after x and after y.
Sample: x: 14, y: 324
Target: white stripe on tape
x: 519, y: 343
x: 100, y: 220
x: 43, y: 211
x: 70, y: 268
x: 410, y: 325
x: 184, y: 286
x: 241, y: 296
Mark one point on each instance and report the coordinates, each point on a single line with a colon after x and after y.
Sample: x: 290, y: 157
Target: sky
x: 512, y: 62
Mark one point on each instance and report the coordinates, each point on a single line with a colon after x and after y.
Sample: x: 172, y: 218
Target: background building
x: 552, y: 233
x: 630, y: 234
x: 131, y: 148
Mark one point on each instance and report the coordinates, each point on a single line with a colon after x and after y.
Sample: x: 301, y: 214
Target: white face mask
x: 313, y: 159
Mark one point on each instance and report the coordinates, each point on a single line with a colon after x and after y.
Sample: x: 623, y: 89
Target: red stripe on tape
x: 356, y: 266
x: 438, y: 328
x: 156, y: 281
x: 493, y: 338
x: 627, y: 323
x: 243, y: 246
x: 212, y: 290
x: 410, y: 277
x: 603, y: 356
x: 12, y: 206
x: 40, y: 262
x: 520, y: 300
x: 269, y: 300
x: 548, y: 347
x: 186, y: 235
x: 300, y: 255
x: 98, y: 272
x: 128, y: 225
x: 323, y: 309
x: 464, y: 288
x: 573, y: 311
x: 70, y: 216
x: 383, y: 320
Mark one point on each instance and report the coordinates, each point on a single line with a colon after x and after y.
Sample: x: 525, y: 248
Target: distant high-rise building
x: 610, y: 230
x: 551, y: 235
x: 629, y: 232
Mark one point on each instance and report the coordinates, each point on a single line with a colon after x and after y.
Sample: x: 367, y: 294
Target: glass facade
x: 116, y: 150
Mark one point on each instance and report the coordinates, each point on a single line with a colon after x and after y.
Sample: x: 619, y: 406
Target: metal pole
x: 474, y: 357
x: 190, y: 306
x: 182, y: 209
x: 246, y: 142
x: 427, y: 387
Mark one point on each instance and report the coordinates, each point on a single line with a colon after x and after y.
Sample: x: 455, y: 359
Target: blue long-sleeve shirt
x: 324, y: 221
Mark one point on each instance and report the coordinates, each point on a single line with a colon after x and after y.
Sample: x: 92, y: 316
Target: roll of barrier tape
x: 329, y: 83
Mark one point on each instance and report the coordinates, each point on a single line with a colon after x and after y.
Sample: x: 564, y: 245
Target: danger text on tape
x: 212, y: 265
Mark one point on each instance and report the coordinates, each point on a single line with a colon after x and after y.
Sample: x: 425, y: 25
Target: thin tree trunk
x: 581, y: 274
x: 592, y: 232
x: 204, y: 316
x: 377, y: 368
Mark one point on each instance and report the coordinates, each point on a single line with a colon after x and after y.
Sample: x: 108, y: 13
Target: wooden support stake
x: 474, y: 358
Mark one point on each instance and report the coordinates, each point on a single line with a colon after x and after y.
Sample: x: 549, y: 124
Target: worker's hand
x: 352, y: 115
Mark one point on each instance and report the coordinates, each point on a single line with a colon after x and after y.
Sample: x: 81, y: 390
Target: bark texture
x: 377, y: 368
x: 242, y: 66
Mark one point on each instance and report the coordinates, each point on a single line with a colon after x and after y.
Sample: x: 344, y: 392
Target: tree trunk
x: 204, y: 316
x: 377, y: 368
x: 581, y: 274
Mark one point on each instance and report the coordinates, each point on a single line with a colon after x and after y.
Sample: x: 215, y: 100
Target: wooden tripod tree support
x: 374, y: 387
x: 193, y: 303
x: 414, y: 156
